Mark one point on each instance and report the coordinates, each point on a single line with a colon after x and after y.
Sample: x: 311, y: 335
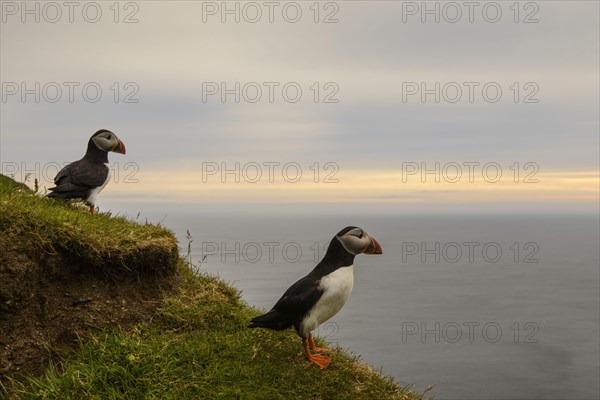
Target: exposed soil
x: 48, y: 301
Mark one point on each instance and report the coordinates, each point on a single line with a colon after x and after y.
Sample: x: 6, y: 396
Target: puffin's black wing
x: 77, y: 179
x: 292, y: 306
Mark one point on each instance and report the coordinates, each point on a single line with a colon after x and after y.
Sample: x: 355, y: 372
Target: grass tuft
x: 99, y: 240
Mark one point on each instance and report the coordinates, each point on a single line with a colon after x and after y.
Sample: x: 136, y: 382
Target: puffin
x: 85, y: 178
x: 318, y: 296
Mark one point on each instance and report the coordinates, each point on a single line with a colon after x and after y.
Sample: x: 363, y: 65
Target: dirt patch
x: 47, y: 302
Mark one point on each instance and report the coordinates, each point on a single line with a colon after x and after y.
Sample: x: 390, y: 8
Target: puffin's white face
x: 108, y: 141
x: 357, y: 241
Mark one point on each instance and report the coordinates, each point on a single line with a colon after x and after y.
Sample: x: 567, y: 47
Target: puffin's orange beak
x: 119, y: 148
x: 373, y: 247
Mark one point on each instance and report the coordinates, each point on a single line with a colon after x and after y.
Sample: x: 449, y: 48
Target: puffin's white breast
x: 336, y: 287
x: 94, y: 192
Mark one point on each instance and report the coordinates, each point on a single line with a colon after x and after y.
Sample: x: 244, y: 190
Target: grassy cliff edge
x: 193, y: 345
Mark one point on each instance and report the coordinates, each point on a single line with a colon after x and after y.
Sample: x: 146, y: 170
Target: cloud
x: 369, y: 55
x: 255, y: 184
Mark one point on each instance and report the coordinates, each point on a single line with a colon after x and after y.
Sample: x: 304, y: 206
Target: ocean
x: 484, y: 307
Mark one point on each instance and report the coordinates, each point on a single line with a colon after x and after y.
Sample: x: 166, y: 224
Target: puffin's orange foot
x: 321, y: 350
x: 314, y: 347
x: 320, y: 360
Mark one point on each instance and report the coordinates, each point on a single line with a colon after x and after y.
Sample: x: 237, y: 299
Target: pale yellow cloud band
x: 371, y: 186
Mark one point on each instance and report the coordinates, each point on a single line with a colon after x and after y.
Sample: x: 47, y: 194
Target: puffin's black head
x: 356, y: 241
x: 107, y: 141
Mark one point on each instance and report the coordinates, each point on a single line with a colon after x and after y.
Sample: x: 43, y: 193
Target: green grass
x: 100, y: 240
x: 197, y: 345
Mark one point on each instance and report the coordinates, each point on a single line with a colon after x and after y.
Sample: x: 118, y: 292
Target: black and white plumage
x: 85, y: 178
x: 318, y: 296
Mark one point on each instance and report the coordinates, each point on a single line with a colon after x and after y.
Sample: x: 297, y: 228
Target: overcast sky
x: 362, y: 128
